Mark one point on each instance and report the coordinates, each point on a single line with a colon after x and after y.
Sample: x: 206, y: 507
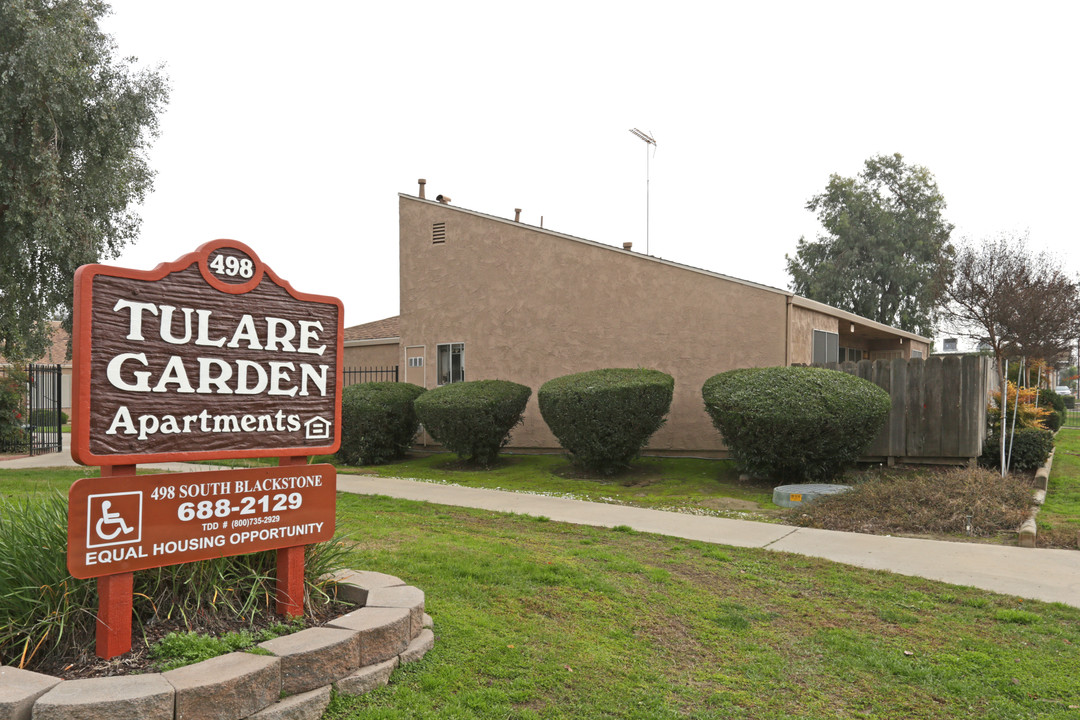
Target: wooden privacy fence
x: 938, y: 410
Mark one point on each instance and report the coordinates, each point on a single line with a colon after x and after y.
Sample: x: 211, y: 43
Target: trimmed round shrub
x: 603, y: 418
x: 1030, y: 449
x: 473, y: 419
x: 795, y: 423
x: 378, y: 422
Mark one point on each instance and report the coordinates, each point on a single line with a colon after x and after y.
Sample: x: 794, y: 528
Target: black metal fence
x: 353, y: 376
x: 35, y: 425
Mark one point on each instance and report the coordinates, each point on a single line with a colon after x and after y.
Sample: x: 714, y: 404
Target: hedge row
x: 785, y: 423
x: 603, y: 418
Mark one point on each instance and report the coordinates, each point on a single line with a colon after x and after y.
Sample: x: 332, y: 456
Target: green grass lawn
x: 538, y: 619
x: 1061, y: 512
x: 30, y: 480
x: 684, y: 484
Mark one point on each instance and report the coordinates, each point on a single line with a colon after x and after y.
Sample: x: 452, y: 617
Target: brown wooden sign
x: 122, y: 524
x: 210, y: 356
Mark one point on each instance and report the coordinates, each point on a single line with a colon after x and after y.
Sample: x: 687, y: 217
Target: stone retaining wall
x: 354, y: 653
x: 1030, y: 528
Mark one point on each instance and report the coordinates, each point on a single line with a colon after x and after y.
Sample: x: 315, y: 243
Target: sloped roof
x: 385, y: 329
x: 794, y: 299
x: 56, y: 352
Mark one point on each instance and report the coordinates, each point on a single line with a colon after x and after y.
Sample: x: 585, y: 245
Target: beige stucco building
x: 484, y: 297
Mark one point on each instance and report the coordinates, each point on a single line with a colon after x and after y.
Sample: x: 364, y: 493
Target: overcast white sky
x: 292, y: 127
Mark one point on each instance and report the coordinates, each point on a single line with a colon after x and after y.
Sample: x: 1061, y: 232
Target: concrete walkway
x: 1049, y: 575
x: 64, y: 460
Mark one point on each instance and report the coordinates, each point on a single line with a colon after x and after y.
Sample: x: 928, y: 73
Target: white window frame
x: 438, y: 362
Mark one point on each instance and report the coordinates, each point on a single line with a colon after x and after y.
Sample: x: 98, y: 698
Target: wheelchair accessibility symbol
x: 114, y: 519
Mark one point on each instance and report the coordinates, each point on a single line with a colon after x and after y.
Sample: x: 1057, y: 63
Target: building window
x: 451, y: 363
x: 826, y: 347
x: 949, y: 345
x: 916, y: 354
x: 417, y: 361
x: 850, y: 355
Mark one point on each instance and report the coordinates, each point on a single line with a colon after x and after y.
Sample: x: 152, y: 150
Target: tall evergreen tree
x: 885, y: 254
x: 75, y: 124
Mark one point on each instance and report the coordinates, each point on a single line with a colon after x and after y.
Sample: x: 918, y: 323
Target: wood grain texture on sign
x: 189, y: 415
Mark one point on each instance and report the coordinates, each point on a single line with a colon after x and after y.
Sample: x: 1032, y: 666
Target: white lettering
x: 135, y: 322
x: 148, y: 425
x: 112, y: 372
x: 242, y: 387
x: 174, y: 373
x: 277, y: 375
x: 245, y: 330
x: 307, y: 333
x: 273, y: 338
x: 166, y: 325
x: 205, y: 380
x: 204, y: 331
x: 308, y: 371
x: 123, y: 420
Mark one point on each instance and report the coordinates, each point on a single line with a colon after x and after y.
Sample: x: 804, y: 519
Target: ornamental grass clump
x: 473, y: 419
x: 378, y: 422
x: 603, y: 418
x: 47, y: 616
x: 795, y: 424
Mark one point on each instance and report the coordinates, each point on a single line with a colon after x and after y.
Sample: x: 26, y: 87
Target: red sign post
x: 211, y: 356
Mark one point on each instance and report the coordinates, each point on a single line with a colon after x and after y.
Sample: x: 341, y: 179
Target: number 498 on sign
x: 232, y: 266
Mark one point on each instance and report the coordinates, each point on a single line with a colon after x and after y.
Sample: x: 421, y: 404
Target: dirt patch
x: 634, y: 476
x: 924, y: 501
x: 460, y: 465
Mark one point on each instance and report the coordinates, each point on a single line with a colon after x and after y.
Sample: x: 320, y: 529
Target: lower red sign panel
x: 121, y: 524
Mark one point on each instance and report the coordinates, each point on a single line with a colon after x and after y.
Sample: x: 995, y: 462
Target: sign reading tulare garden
x: 212, y: 356
x: 206, y: 357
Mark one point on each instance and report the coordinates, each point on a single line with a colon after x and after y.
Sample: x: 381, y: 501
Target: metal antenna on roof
x: 648, y: 141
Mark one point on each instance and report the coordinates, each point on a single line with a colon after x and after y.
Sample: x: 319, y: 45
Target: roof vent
x: 517, y: 214
x: 627, y: 245
x: 444, y: 199
x: 422, y: 182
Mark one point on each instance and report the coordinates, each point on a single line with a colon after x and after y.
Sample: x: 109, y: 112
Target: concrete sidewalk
x: 63, y: 460
x: 1050, y: 575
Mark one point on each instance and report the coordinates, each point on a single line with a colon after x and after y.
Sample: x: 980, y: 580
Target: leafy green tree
x: 1021, y: 304
x: 885, y: 254
x: 74, y: 127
